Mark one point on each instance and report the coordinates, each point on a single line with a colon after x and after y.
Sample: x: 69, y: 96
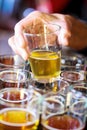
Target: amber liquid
x: 13, y: 96
x: 9, y: 79
x: 45, y: 64
x: 17, y: 119
x: 63, y: 122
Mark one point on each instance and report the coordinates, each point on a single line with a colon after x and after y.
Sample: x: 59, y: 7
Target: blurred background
x: 11, y: 11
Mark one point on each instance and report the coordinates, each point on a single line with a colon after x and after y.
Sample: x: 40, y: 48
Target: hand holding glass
x: 45, y: 51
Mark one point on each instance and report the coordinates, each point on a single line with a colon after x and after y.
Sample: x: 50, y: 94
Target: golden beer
x: 45, y: 64
x: 17, y: 119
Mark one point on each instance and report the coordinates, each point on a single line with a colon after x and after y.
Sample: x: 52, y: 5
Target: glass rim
x: 42, y: 34
x: 76, y: 103
x: 18, y: 124
x: 52, y: 93
x: 61, y: 83
x: 23, y: 90
x: 2, y: 91
x: 17, y: 71
x: 10, y: 56
x: 81, y: 76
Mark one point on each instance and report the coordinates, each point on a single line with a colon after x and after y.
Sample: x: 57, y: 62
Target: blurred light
x: 7, y: 6
x: 27, y: 11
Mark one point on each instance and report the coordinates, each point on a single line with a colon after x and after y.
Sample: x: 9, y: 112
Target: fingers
x: 25, y: 25
x: 18, y: 42
x: 65, y: 22
x: 64, y: 38
x: 19, y: 36
x: 11, y: 44
x: 23, y: 52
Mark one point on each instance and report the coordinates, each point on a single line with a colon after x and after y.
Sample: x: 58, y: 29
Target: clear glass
x: 59, y: 114
x: 16, y: 78
x: 73, y: 76
x: 80, y: 91
x: 11, y: 61
x: 73, y: 62
x: 19, y: 109
x: 72, y: 68
x: 45, y: 51
x: 54, y: 86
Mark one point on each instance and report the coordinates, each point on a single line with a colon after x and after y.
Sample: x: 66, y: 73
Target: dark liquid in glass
x: 9, y: 79
x: 63, y: 122
x: 12, y: 97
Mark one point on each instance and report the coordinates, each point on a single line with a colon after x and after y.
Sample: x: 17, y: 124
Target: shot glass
x: 56, y: 115
x: 16, y: 78
x: 19, y: 109
x: 77, y: 91
x: 73, y: 62
x: 54, y: 86
x: 73, y: 76
x: 45, y: 51
x: 72, y: 68
x: 80, y: 91
x: 11, y: 61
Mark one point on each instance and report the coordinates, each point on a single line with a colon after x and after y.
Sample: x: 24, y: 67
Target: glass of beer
x: 45, y: 51
x: 14, y: 77
x: 59, y: 114
x: 19, y: 109
x: 11, y: 61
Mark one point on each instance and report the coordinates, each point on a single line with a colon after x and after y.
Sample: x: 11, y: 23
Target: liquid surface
x: 64, y: 122
x: 17, y: 119
x: 13, y: 95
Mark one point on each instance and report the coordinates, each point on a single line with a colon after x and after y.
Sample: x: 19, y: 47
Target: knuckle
x: 16, y: 26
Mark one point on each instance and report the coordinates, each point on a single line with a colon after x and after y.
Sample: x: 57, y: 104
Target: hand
x: 18, y: 42
x: 72, y: 33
